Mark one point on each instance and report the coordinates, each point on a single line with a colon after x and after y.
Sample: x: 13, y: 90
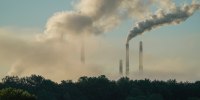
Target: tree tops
x: 101, y: 88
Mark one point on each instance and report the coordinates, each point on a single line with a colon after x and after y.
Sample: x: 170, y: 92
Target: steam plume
x: 174, y: 16
x: 88, y: 17
x: 59, y: 58
x: 94, y: 17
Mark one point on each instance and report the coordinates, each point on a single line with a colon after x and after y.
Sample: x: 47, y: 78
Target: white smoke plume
x: 95, y: 17
x: 57, y: 59
x: 52, y: 59
x: 87, y: 17
x: 174, y: 16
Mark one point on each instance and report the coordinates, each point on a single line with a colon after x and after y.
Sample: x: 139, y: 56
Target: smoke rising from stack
x: 174, y: 16
x: 92, y: 17
x: 89, y: 17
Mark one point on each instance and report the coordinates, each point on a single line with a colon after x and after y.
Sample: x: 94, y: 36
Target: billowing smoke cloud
x: 174, y: 16
x: 57, y: 59
x: 52, y: 59
x: 87, y: 17
x: 94, y: 17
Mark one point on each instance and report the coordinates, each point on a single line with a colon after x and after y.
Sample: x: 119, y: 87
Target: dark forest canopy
x: 15, y: 94
x: 101, y: 88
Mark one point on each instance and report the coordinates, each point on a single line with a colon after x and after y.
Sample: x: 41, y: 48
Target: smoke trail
x: 48, y: 54
x: 174, y: 16
x: 94, y: 17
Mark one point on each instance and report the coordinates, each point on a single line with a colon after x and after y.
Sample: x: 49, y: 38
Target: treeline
x: 99, y: 88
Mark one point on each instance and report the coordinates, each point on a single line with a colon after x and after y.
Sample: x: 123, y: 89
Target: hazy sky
x: 169, y: 51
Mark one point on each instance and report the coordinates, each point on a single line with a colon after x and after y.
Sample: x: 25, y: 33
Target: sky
x: 170, y: 51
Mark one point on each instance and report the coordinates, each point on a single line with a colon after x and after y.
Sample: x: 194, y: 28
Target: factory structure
x: 141, y: 58
x: 83, y: 53
x: 120, y: 67
x: 127, y: 60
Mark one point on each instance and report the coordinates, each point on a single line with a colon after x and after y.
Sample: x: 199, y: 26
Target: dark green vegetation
x: 15, y: 94
x: 97, y: 88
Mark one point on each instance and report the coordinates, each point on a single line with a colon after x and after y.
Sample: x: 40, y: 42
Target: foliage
x: 15, y: 94
x: 101, y: 88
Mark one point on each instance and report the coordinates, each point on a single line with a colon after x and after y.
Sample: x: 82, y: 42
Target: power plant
x: 127, y: 59
x: 140, y: 58
x: 178, y: 15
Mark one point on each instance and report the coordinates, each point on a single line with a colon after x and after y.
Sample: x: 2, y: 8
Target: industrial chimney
x: 120, y: 67
x: 127, y: 59
x: 141, y: 58
x: 83, y: 52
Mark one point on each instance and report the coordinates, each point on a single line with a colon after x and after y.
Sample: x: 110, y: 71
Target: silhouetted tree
x: 155, y: 97
x: 137, y: 98
x: 101, y: 88
x: 124, y: 87
x: 15, y: 94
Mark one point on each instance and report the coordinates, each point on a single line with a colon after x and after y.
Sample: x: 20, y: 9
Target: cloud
x: 95, y: 17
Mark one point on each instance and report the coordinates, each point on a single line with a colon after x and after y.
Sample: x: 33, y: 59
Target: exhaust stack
x: 83, y: 53
x: 127, y: 59
x: 141, y: 58
x: 121, y: 67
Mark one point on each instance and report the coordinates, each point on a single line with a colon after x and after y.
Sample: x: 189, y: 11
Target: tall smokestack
x: 141, y: 58
x: 127, y: 59
x: 120, y: 67
x: 83, y: 52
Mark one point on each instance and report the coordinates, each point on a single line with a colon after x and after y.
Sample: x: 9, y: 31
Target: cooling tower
x: 127, y: 59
